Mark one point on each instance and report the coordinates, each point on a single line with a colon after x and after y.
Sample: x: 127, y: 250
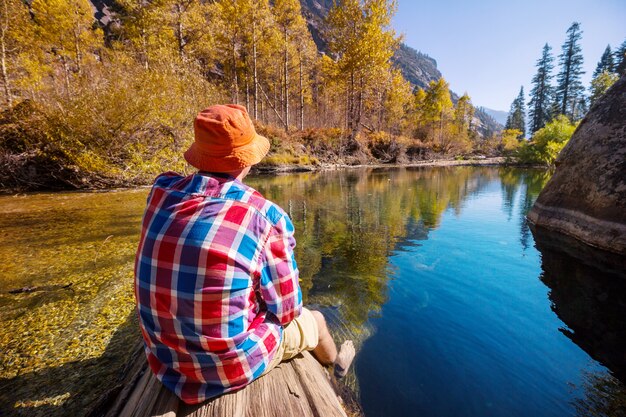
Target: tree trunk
x: 66, y: 69
x: 5, y: 76
x: 254, y: 69
x: 144, y: 48
x: 286, y: 85
x: 301, y: 95
x: 179, y: 32
x: 235, y: 85
x: 247, y: 94
x: 78, y: 52
x: 3, y: 59
x: 263, y: 117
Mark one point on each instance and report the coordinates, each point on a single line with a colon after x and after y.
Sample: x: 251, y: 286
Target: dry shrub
x: 119, y: 125
x: 418, y: 151
x: 387, y: 148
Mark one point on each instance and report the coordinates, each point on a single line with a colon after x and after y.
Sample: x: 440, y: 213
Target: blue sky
x: 489, y: 48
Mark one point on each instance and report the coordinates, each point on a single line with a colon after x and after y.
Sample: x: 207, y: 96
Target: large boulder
x: 586, y: 196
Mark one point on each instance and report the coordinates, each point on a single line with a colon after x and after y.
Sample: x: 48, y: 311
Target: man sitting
x: 216, y: 281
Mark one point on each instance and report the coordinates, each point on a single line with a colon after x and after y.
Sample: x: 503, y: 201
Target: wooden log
x: 299, y: 387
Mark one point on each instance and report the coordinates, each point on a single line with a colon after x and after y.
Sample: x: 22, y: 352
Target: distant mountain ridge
x: 498, y: 115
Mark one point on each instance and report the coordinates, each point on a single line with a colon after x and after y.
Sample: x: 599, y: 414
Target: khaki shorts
x: 299, y: 335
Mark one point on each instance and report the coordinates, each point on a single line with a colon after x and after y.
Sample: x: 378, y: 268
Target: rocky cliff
x: 586, y: 196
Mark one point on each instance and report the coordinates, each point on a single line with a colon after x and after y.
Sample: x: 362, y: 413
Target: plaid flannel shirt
x: 215, y: 281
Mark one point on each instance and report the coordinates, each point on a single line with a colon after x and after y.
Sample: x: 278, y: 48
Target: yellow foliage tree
x: 362, y: 43
x: 66, y: 31
x: 17, y: 69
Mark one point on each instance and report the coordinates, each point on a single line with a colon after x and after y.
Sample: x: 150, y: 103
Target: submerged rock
x: 586, y: 196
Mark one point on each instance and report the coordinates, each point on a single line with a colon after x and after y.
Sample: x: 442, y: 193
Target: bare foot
x: 344, y: 358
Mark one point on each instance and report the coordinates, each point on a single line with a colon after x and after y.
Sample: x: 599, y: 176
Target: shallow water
x: 433, y: 272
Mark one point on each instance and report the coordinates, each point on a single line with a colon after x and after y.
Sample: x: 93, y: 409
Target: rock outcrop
x: 586, y: 196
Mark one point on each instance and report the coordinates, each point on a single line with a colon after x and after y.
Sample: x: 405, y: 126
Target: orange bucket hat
x: 225, y: 140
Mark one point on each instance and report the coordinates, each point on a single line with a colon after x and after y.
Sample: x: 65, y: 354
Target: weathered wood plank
x: 320, y: 396
x: 299, y: 387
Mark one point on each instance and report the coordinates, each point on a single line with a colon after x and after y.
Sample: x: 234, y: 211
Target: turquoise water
x: 469, y: 327
x: 456, y: 307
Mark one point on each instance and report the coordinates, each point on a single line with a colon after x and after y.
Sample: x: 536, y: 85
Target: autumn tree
x: 292, y: 27
x: 396, y: 101
x: 600, y: 84
x: 190, y: 24
x: 230, y: 39
x: 260, y: 42
x: 542, y: 92
x: 65, y: 29
x: 362, y: 44
x: 144, y: 29
x: 438, y: 111
x: 16, y: 47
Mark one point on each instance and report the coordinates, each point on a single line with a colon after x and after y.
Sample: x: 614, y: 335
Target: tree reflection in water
x: 348, y: 223
x: 588, y: 293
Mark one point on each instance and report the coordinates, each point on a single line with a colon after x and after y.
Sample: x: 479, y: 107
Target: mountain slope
x: 498, y: 115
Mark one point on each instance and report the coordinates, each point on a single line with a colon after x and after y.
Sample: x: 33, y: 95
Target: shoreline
x: 290, y: 169
x: 494, y: 161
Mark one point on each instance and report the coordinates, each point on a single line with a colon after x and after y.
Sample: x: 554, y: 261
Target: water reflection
x: 588, y: 293
x: 350, y: 225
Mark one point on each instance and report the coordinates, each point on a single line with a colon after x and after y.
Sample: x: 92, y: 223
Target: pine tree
x: 517, y: 115
x: 569, y: 90
x: 620, y: 60
x: 542, y: 93
x: 606, y: 63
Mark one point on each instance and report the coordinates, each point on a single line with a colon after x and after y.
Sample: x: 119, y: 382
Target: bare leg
x: 326, y: 351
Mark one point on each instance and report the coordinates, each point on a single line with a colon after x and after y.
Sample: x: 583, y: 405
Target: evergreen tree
x: 517, y: 115
x: 606, y: 63
x: 620, y: 60
x: 569, y: 90
x: 542, y: 92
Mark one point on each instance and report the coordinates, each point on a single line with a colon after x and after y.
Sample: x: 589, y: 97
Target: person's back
x: 207, y: 238
x: 216, y: 281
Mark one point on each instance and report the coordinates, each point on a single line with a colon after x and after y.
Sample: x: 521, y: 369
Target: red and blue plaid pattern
x: 215, y: 281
